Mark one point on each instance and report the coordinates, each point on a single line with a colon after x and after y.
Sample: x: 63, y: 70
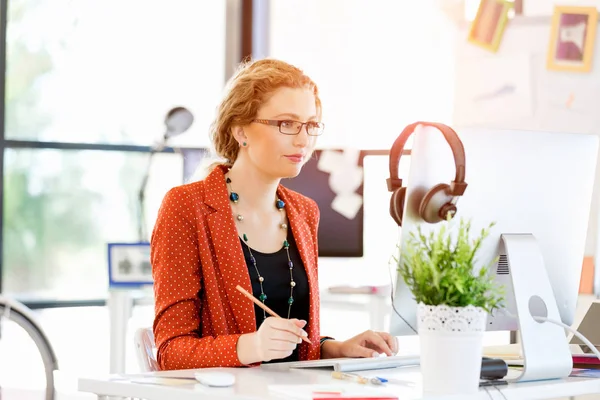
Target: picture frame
x: 129, y: 265
x: 489, y: 23
x: 572, y: 38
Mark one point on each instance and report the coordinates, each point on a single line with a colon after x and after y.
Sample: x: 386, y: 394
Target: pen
x: 264, y: 307
x: 349, y: 377
x: 380, y: 381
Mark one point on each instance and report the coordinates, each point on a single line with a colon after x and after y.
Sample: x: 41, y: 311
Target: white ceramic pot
x: 451, y: 348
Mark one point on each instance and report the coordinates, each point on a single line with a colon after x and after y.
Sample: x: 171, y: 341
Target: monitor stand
x: 545, y: 348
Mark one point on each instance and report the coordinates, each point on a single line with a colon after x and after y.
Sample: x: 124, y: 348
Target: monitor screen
x: 333, y: 178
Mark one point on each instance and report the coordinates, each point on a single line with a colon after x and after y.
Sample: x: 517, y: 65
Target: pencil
x: 264, y: 307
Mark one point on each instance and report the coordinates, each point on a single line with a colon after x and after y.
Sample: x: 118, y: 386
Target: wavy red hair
x: 249, y: 88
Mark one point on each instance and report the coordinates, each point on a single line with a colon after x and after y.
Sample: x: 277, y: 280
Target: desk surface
x: 256, y: 383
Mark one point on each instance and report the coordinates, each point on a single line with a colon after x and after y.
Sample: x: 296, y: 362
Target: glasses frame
x: 278, y: 122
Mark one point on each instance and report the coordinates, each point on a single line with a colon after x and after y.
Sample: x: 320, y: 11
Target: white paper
x: 566, y: 102
x: 329, y: 160
x: 351, y: 156
x: 346, y: 180
x: 347, y: 205
x: 493, y: 91
x: 343, y: 389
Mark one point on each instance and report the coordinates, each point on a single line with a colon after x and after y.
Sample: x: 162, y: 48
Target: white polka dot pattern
x: 197, y: 261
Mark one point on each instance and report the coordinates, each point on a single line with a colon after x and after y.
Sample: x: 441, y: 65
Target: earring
x: 244, y: 144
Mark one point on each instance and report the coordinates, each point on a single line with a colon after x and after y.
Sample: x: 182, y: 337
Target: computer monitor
x: 537, y: 183
x: 341, y: 223
x: 341, y: 226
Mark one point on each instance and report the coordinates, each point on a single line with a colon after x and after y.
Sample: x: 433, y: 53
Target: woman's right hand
x: 275, y: 339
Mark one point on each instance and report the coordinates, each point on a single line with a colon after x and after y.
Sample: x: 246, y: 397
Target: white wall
x: 539, y: 102
x: 375, y: 75
x: 545, y: 7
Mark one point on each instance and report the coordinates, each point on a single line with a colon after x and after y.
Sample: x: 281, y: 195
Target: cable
x: 402, y: 318
x: 488, y: 392
x: 499, y: 391
x: 392, y: 298
x: 495, y: 387
x: 508, y: 313
x: 392, y: 291
x: 564, y: 326
x: 573, y: 331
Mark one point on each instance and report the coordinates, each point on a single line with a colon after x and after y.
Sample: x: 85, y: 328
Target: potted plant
x: 454, y: 297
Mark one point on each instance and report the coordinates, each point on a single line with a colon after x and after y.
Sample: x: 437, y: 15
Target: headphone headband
x: 458, y: 185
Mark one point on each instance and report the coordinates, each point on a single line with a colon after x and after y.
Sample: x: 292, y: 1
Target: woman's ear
x: 239, y: 135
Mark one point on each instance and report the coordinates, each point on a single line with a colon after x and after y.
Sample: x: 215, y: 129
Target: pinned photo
x: 488, y: 26
x: 572, y: 39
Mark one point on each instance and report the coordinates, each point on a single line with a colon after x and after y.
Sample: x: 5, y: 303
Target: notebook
x: 348, y: 364
x: 586, y: 359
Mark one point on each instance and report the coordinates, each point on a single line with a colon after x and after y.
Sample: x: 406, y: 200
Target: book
x: 586, y: 359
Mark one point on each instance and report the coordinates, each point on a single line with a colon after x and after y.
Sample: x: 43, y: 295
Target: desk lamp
x: 177, y: 121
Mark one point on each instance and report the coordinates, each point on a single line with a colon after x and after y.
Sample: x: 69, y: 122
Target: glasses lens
x: 290, y: 127
x: 314, y: 128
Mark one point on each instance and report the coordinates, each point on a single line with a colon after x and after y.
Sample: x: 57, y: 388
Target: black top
x: 275, y: 270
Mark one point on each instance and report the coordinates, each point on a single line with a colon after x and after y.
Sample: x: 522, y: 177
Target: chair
x: 145, y: 349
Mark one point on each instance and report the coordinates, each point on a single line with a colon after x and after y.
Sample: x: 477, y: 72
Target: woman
x: 239, y: 226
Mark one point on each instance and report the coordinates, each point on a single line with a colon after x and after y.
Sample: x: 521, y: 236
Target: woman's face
x: 276, y: 154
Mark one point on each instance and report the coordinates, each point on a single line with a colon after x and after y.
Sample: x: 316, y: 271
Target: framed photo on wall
x: 129, y: 265
x: 572, y: 38
x: 488, y: 26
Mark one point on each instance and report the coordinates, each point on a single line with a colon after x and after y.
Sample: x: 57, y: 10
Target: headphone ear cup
x: 397, y: 205
x: 437, y: 204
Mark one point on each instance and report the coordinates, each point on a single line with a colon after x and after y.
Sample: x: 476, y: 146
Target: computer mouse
x: 215, y: 378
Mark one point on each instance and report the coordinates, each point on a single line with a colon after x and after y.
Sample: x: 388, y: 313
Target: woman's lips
x: 296, y: 158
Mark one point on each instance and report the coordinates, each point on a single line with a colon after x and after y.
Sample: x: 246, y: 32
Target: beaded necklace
x: 280, y: 205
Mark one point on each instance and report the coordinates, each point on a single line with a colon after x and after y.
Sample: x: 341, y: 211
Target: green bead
x: 290, y: 300
x: 262, y: 297
x: 286, y: 244
x: 245, y: 237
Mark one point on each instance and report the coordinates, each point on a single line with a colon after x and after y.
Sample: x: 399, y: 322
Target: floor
x: 79, y: 336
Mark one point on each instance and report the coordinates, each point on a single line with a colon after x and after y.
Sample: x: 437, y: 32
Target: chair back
x: 145, y: 350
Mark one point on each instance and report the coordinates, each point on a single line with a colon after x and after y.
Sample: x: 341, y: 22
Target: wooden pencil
x: 264, y: 307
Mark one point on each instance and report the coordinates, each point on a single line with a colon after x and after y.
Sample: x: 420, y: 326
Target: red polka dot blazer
x: 197, y: 261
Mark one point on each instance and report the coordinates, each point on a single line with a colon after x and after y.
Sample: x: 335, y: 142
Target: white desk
x: 121, y: 302
x: 253, y: 384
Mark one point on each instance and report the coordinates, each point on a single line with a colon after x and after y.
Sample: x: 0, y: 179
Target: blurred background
x: 87, y: 85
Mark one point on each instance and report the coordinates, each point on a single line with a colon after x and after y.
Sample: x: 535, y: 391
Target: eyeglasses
x: 290, y: 127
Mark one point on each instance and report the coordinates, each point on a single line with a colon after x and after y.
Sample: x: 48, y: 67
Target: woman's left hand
x: 366, y: 344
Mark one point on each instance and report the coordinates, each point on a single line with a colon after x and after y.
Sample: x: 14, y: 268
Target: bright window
x: 108, y: 71
x: 105, y: 72
x: 62, y: 207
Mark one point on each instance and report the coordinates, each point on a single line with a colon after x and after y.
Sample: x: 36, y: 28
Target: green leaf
x: 440, y: 269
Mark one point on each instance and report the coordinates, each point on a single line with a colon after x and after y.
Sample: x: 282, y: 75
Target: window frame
x: 246, y: 35
x: 240, y: 17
